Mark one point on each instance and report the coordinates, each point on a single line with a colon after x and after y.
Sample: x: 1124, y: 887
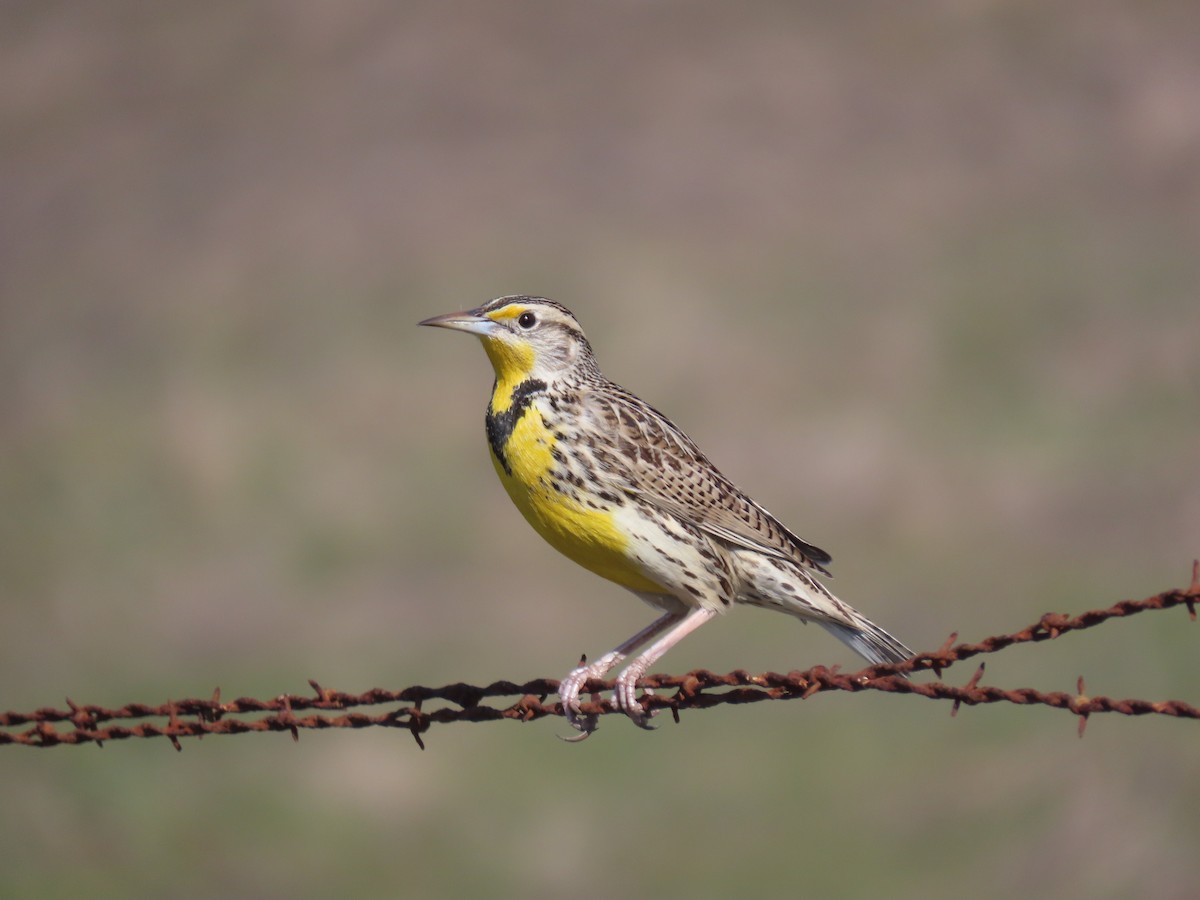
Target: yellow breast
x: 588, y: 536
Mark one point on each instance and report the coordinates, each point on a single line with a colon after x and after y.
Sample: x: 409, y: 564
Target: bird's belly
x: 572, y: 519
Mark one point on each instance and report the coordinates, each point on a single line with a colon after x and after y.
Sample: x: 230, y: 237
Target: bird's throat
x: 513, y: 364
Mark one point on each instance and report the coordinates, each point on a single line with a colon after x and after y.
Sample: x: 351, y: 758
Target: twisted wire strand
x: 698, y: 689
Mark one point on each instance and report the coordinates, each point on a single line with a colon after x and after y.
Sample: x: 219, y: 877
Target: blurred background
x: 924, y: 280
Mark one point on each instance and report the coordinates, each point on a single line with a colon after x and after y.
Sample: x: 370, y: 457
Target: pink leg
x: 625, y: 696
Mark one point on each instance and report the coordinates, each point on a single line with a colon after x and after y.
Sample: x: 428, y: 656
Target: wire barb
x: 699, y: 689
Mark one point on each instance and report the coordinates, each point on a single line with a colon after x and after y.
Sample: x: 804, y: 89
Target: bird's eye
x: 527, y: 320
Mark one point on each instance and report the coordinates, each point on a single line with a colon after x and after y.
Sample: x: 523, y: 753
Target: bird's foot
x: 626, y: 699
x: 568, y: 692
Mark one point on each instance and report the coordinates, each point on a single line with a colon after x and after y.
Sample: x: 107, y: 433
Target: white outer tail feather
x: 869, y: 641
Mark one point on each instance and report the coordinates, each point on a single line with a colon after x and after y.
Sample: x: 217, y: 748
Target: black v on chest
x: 500, y: 425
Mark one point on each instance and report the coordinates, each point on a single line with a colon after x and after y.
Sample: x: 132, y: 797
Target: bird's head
x: 525, y: 337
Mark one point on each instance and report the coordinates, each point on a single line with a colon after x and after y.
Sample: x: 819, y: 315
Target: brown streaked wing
x: 663, y: 466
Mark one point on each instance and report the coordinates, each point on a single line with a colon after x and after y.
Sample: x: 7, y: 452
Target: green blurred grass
x: 923, y: 282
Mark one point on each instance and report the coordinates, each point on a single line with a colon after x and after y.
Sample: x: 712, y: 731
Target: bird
x: 617, y: 487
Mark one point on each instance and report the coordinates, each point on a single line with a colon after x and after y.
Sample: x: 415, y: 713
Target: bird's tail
x: 771, y: 583
x: 868, y: 640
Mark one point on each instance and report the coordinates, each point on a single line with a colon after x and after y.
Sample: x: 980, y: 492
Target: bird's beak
x: 470, y: 321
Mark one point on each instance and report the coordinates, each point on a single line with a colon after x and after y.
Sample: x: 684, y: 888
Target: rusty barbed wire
x: 198, y: 717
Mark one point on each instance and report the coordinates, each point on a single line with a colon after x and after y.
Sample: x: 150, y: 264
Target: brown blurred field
x: 924, y: 279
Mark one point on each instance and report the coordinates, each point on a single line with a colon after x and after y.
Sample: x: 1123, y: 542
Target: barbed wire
x: 698, y: 689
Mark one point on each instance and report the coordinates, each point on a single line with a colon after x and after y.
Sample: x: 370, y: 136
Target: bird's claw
x: 626, y: 699
x: 568, y: 694
x: 585, y: 725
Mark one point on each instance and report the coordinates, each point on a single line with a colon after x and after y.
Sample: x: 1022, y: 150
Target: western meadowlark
x: 614, y: 485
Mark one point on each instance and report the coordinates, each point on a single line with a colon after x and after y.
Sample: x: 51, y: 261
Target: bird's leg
x: 570, y: 687
x: 625, y: 695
